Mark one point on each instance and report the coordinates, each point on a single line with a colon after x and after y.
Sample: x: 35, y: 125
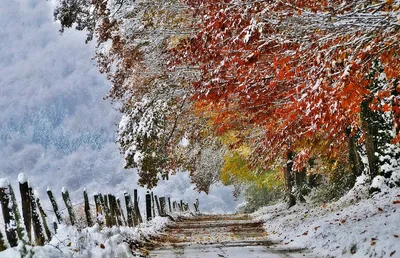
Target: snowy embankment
x: 354, y: 226
x: 91, y: 242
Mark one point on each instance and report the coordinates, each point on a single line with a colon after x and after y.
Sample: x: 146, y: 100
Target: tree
x: 133, y: 39
x: 295, y: 68
x: 291, y: 78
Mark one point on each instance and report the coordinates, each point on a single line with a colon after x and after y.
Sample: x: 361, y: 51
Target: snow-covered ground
x: 90, y: 242
x: 354, y: 226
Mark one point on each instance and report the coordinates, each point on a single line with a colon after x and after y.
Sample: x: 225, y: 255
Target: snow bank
x: 91, y: 242
x: 350, y: 227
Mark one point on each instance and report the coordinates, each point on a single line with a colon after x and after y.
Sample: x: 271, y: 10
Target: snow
x: 36, y: 194
x: 91, y: 242
x: 354, y: 226
x: 378, y: 182
x: 22, y: 178
x: 4, y: 182
x: 63, y: 190
x: 184, y: 142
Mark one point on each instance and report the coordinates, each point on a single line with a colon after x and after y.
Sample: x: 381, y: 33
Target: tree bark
x: 289, y: 180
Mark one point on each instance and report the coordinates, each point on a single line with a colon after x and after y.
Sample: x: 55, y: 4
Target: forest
x: 278, y: 98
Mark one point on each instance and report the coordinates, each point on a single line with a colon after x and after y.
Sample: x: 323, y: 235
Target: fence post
x: 196, y: 205
x: 162, y: 205
x: 99, y: 210
x: 55, y: 225
x: 111, y: 208
x: 107, y: 202
x: 152, y: 205
x: 148, y: 206
x: 129, y: 208
x: 87, y: 209
x: 3, y: 245
x: 26, y: 206
x: 136, y: 204
x: 37, y: 226
x: 43, y: 215
x: 54, y: 204
x: 120, y: 212
x: 67, y: 201
x: 106, y: 211
x: 8, y: 214
x: 20, y: 228
x: 169, y: 205
x: 182, y: 208
x: 158, y: 205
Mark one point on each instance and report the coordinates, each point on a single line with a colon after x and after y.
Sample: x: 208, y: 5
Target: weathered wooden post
x: 196, y: 205
x: 169, y: 205
x: 148, y: 206
x: 106, y: 212
x: 54, y: 204
x: 107, y: 202
x: 113, y: 203
x: 3, y: 245
x: 8, y: 213
x: 181, y: 206
x: 37, y: 226
x: 136, y: 204
x: 68, y: 204
x: 99, y: 210
x: 87, y: 209
x: 158, y: 205
x: 174, y: 205
x: 129, y: 208
x: 18, y: 218
x: 26, y: 206
x: 162, y: 205
x: 43, y: 215
x: 116, y: 217
x: 112, y: 210
x: 152, y: 205
x: 55, y: 225
x: 120, y: 212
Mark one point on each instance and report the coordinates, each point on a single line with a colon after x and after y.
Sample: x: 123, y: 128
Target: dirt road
x: 219, y: 236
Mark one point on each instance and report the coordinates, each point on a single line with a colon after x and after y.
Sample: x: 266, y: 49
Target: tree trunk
x: 355, y: 162
x: 289, y: 180
x: 369, y: 130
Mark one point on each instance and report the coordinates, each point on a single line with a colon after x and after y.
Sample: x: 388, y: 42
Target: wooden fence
x: 31, y: 226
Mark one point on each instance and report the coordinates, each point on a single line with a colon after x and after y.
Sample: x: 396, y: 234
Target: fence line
x: 108, y: 209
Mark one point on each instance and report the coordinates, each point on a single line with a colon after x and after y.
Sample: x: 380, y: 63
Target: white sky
x: 54, y: 124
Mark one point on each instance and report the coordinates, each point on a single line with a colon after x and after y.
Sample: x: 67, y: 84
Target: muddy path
x: 218, y: 236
